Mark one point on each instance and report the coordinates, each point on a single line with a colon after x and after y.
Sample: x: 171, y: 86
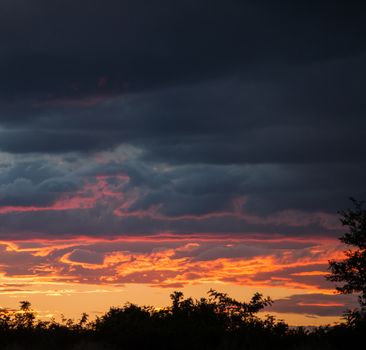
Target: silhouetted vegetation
x: 215, y: 322
x: 352, y: 270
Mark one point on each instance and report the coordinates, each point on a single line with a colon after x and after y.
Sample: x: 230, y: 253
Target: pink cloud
x: 92, y: 192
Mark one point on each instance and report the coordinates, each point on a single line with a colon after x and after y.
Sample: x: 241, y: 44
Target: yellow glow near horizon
x: 72, y: 301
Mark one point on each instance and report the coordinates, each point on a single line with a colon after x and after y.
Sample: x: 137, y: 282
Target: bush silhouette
x: 352, y: 270
x: 215, y: 322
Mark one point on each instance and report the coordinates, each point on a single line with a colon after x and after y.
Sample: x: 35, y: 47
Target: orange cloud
x: 72, y: 267
x: 170, y: 260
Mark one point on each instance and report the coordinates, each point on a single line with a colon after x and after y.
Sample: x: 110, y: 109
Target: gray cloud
x: 154, y: 197
x: 197, y: 106
x: 146, y: 45
x: 315, y: 304
x: 86, y: 256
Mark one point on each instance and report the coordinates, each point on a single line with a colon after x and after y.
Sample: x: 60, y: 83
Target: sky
x: 153, y: 146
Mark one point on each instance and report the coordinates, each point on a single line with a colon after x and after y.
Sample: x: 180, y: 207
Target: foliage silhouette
x: 215, y: 322
x: 352, y: 270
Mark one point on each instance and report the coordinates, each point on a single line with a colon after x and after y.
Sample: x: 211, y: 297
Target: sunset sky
x: 153, y: 146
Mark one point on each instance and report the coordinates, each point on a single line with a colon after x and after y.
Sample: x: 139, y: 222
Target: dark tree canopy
x: 212, y: 323
x: 352, y: 270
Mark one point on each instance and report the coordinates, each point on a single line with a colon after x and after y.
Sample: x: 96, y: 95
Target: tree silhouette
x: 25, y: 317
x: 352, y: 270
x: 213, y: 323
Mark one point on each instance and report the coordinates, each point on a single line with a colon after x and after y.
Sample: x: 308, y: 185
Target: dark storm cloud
x: 34, y: 183
x: 212, y: 102
x: 58, y: 47
x: 187, y: 199
x: 101, y: 223
x: 287, y: 119
x: 201, y: 189
x: 197, y: 82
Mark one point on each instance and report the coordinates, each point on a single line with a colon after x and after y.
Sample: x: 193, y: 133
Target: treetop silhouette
x: 352, y: 270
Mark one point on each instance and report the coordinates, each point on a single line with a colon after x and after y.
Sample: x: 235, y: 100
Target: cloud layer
x: 175, y: 262
x: 209, y: 123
